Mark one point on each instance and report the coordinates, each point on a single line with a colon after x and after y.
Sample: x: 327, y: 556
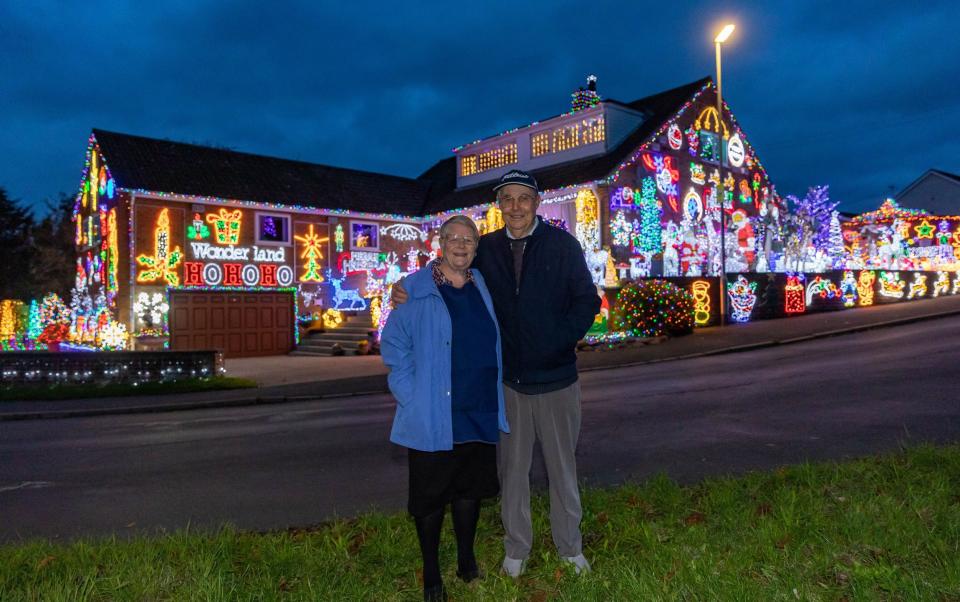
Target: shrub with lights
x: 654, y: 308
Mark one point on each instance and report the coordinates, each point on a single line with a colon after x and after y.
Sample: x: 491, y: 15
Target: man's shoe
x: 579, y: 562
x: 513, y: 566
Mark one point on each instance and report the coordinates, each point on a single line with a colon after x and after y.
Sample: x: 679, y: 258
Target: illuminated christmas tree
x: 584, y: 99
x: 34, y: 327
x: 313, y: 253
x: 651, y: 209
x: 835, y: 249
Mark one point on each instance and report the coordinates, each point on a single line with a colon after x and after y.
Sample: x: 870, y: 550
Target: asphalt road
x: 301, y: 463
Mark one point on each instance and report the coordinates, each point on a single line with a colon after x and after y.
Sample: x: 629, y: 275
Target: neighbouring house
x: 935, y: 191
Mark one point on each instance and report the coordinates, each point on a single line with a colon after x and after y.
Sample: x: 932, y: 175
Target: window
x: 365, y: 236
x: 568, y: 136
x: 709, y: 147
x: 489, y: 159
x: 273, y: 228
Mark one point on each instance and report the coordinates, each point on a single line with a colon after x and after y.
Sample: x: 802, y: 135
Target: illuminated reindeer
x: 340, y: 296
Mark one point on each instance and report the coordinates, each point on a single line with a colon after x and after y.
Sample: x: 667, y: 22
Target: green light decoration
x: 652, y: 308
x: 651, y: 209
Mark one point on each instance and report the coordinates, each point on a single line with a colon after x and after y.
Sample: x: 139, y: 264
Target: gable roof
x: 657, y: 109
x: 140, y: 163
x: 937, y: 206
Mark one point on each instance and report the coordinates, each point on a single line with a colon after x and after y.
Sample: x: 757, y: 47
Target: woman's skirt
x: 468, y: 471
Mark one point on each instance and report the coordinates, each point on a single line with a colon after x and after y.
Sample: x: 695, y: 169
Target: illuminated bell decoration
x: 226, y: 226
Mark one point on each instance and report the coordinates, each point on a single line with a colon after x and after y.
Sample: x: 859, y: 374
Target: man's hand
x: 399, y: 294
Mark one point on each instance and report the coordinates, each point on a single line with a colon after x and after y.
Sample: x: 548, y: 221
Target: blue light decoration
x: 743, y: 296
x: 342, y: 296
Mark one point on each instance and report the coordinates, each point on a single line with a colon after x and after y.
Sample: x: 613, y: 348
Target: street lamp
x: 722, y: 37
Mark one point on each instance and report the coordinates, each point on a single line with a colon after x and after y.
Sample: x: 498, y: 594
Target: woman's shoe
x: 437, y: 593
x: 468, y: 575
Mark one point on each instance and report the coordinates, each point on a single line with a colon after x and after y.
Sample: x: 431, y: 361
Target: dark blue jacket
x: 543, y: 317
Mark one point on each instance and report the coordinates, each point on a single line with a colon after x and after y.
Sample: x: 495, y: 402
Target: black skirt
x: 468, y: 471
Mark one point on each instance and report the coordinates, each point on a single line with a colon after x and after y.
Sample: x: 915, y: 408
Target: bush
x: 654, y: 308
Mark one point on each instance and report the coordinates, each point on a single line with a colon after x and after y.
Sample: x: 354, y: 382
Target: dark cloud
x: 857, y: 95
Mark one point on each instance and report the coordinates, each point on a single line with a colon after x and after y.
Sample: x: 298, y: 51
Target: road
x: 301, y: 463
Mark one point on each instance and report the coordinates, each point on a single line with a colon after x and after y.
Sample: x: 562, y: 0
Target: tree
x: 807, y: 224
x: 52, y: 267
x: 16, y: 223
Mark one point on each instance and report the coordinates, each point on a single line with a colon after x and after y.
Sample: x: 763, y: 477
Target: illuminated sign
x: 735, y: 151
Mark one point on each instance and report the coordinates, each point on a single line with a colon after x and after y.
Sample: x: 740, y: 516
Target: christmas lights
x: 341, y: 296
x: 313, y: 253
x: 942, y: 285
x: 113, y: 336
x: 151, y: 311
x: 701, y: 302
x: 9, y: 310
x: 925, y: 229
x: 918, y: 288
x: 823, y: 287
x: 226, y: 226
x: 404, y: 232
x: 654, y: 308
x: 891, y: 285
x: 743, y: 296
x: 332, y: 319
x: 793, y: 296
x: 163, y: 263
x: 197, y: 230
x: 848, y: 289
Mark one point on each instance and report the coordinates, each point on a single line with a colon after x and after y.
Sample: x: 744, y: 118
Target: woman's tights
x: 466, y: 514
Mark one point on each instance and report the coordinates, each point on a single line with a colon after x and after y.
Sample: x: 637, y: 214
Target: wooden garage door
x: 239, y: 324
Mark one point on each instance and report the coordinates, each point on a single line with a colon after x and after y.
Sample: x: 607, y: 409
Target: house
x: 935, y: 191
x: 192, y: 247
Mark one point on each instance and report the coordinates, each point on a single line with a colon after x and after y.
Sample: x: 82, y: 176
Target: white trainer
x: 513, y: 566
x: 579, y: 562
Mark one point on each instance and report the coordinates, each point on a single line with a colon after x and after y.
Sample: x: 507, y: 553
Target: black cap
x: 515, y: 176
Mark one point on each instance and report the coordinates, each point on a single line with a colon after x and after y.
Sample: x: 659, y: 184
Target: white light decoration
x: 735, y: 151
x: 151, y: 308
x: 693, y: 206
x: 113, y: 336
x: 404, y: 232
x: 674, y: 136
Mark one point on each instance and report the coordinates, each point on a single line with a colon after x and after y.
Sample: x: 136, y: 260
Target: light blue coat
x: 415, y: 345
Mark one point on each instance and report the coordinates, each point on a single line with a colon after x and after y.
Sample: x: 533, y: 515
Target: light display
x: 735, y: 151
x: 162, y: 265
x: 925, y: 229
x: 848, y: 289
x: 621, y: 229
x: 151, y: 310
x: 313, y: 253
x: 701, y: 302
x: 651, y: 210
x: 654, y: 308
x: 918, y: 288
x: 697, y: 174
x: 34, y: 325
x: 404, y: 232
x: 674, y: 136
x: 891, y: 285
x: 226, y: 226
x: 9, y: 310
x: 956, y: 284
x: 709, y: 119
x: 341, y: 296
x: 332, y: 319
x: 500, y: 156
x: 942, y: 285
x: 113, y: 336
x: 667, y: 175
x: 743, y: 296
x: 692, y: 206
x: 822, y: 287
x: 338, y: 238
x: 53, y: 311
x: 112, y: 250
x: 197, y: 230
x: 865, y: 282
x: 793, y: 295
x: 584, y: 99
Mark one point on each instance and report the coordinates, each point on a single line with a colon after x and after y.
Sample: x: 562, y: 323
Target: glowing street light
x: 722, y: 37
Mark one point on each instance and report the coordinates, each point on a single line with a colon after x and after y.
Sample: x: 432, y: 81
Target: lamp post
x: 722, y: 37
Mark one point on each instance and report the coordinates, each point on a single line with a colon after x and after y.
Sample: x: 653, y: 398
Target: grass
x: 883, y: 528
x: 83, y: 391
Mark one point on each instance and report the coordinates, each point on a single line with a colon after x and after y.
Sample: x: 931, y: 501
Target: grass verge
x: 84, y: 391
x: 873, y: 529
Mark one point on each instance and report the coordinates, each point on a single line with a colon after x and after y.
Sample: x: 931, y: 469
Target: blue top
x: 415, y: 345
x: 474, y: 376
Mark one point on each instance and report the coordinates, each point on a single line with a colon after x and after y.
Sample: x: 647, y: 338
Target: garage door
x: 239, y: 324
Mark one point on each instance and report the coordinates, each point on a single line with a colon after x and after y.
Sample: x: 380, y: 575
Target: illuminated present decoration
x: 865, y: 282
x: 793, y: 295
x: 891, y: 285
x: 226, y: 226
x: 743, y: 296
x: 313, y: 253
x: 918, y: 288
x: 701, y: 302
x: 162, y: 265
x: 942, y: 285
x: 238, y: 275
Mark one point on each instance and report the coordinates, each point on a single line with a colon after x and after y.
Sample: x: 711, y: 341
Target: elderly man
x: 545, y: 301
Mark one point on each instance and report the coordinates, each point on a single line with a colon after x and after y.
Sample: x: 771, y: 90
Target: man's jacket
x: 544, y: 315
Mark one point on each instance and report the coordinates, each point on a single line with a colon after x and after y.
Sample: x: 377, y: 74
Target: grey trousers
x: 554, y: 419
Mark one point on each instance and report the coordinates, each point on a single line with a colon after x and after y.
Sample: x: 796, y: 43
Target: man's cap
x: 515, y: 176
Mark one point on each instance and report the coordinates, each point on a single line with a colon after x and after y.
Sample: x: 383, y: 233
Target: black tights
x: 466, y: 514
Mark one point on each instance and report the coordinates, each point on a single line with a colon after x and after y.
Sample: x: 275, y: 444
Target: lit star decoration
x: 312, y: 252
x: 743, y: 296
x: 162, y: 265
x: 925, y: 229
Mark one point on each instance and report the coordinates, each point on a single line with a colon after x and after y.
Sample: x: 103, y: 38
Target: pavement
x: 284, y: 379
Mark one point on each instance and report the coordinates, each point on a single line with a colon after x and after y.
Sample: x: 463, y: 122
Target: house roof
x: 939, y: 206
x: 658, y: 108
x: 143, y: 163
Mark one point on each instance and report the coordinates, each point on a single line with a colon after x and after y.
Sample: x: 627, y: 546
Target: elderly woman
x: 443, y: 351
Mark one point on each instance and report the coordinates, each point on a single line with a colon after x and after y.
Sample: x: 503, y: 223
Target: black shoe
x: 468, y: 575
x: 437, y: 593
